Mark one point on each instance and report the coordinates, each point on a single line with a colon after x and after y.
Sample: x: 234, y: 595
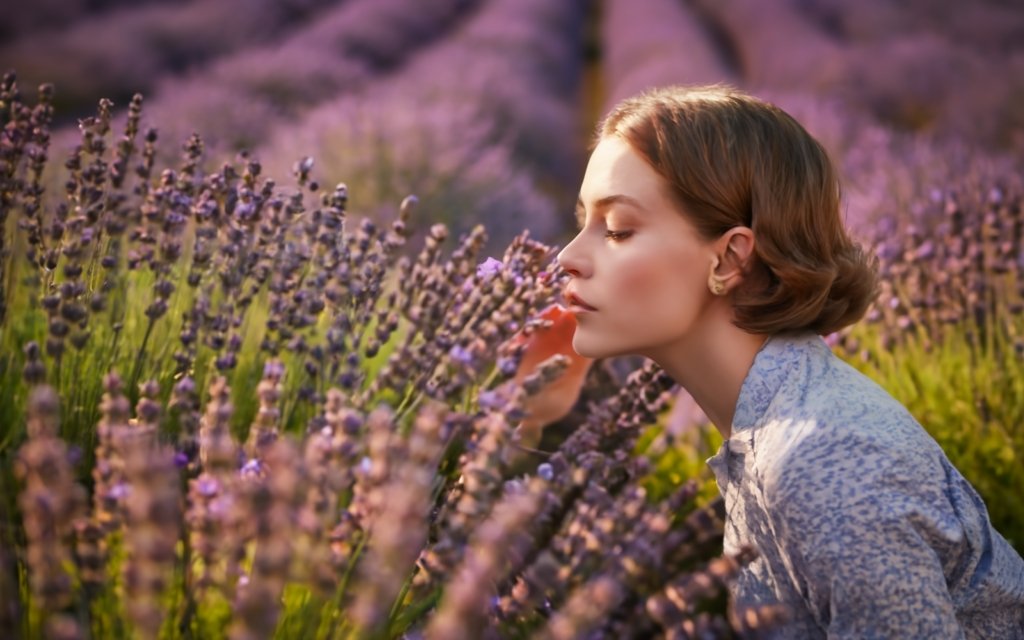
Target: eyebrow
x: 604, y: 203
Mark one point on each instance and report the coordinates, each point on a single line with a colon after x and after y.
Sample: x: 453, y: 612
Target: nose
x: 573, y: 258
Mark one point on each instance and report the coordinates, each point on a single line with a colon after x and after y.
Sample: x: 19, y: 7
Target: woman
x: 711, y: 242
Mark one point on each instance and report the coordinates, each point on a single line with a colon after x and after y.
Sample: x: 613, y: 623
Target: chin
x: 595, y: 349
x: 583, y: 347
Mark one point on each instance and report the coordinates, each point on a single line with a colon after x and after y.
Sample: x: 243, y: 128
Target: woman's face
x: 639, y: 269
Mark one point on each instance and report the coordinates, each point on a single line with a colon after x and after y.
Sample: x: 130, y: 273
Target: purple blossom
x: 207, y: 486
x: 252, y: 467
x: 245, y: 211
x: 926, y: 250
x: 273, y: 369
x: 507, y: 366
x: 490, y: 400
x: 175, y: 219
x: 119, y: 491
x: 489, y: 268
x: 185, y: 386
x: 461, y: 355
x: 545, y: 471
x: 181, y: 201
x: 221, y: 505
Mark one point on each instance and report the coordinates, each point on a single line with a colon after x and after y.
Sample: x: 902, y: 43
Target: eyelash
x: 617, y: 236
x: 614, y: 236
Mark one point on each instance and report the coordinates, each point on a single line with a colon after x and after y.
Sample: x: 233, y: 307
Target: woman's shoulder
x: 827, y: 417
x: 810, y: 384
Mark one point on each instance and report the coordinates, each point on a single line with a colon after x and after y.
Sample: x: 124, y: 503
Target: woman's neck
x: 711, y: 365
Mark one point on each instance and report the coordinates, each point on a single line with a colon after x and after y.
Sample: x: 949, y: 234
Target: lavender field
x: 278, y: 350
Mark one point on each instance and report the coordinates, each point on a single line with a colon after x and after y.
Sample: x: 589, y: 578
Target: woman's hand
x: 555, y: 400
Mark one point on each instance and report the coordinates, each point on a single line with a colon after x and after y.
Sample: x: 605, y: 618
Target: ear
x: 734, y: 250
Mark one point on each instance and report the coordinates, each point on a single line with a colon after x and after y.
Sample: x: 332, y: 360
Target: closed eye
x: 617, y: 236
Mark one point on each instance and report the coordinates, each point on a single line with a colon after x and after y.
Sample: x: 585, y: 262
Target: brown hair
x: 733, y: 160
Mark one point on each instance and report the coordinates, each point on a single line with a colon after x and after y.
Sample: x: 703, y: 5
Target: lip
x: 576, y: 303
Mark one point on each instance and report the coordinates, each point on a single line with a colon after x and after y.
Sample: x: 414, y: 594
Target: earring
x: 715, y: 282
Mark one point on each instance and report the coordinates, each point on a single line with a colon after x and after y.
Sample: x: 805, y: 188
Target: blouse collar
x: 775, y: 362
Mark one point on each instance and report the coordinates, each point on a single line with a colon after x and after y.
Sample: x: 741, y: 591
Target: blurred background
x: 485, y: 108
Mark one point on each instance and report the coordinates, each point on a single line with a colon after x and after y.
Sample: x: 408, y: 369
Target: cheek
x: 639, y: 279
x: 647, y: 282
x: 660, y: 295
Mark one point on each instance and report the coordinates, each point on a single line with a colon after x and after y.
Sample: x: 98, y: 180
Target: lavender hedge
x: 125, y: 50
x: 952, y: 74
x: 49, y: 14
x: 483, y: 121
x: 669, y: 42
x: 237, y: 100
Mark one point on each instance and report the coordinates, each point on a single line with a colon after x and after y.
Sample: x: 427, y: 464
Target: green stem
x: 188, y: 607
x: 56, y: 371
x: 414, y: 611
x: 137, y: 368
x: 409, y: 402
x: 339, y: 594
x: 397, y: 605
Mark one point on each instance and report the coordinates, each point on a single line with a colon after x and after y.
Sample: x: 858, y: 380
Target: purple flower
x: 208, y: 486
x: 926, y: 250
x: 181, y: 459
x: 252, y: 467
x: 273, y: 369
x: 181, y: 200
x: 119, y: 491
x: 220, y: 506
x: 491, y: 400
x: 488, y: 268
x: 461, y: 355
x: 507, y: 366
x: 185, y: 386
x: 545, y: 471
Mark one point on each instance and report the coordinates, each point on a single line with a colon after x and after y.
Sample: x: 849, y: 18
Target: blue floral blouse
x: 864, y: 528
